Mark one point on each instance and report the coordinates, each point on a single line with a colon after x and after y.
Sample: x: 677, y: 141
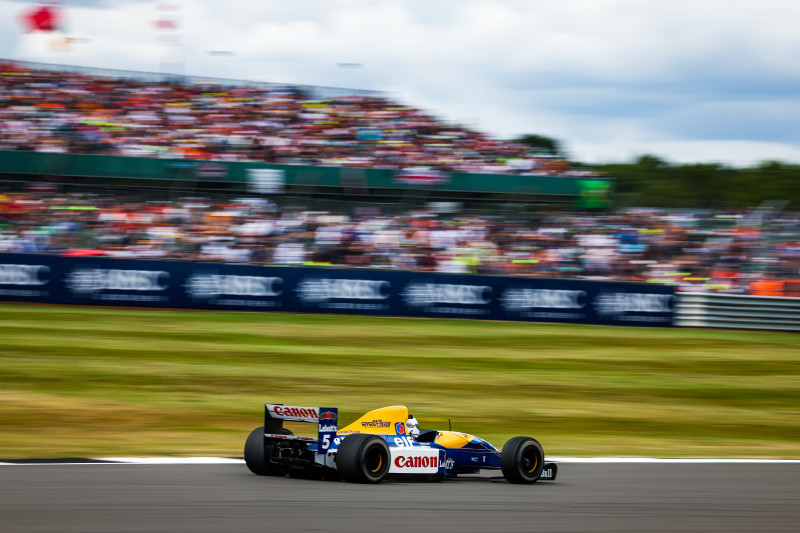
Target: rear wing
x: 326, y: 419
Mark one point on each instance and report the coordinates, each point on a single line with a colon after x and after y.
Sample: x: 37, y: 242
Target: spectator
x: 694, y: 252
x: 68, y: 112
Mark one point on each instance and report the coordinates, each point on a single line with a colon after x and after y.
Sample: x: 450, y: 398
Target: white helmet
x: 412, y: 426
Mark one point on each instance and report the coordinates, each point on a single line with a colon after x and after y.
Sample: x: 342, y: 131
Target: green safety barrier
x: 592, y: 192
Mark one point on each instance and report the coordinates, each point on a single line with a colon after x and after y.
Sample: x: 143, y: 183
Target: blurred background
x: 653, y: 144
x: 688, y: 82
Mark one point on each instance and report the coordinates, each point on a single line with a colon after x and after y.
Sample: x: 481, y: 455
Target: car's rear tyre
x: 522, y: 460
x: 257, y: 455
x: 363, y: 458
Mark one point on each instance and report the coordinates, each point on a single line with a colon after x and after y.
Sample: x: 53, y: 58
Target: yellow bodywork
x: 452, y: 439
x: 385, y: 421
x: 379, y: 421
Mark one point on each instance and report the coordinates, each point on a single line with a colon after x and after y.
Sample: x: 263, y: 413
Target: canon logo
x: 320, y: 290
x: 402, y: 461
x: 211, y: 285
x: 521, y: 299
x: 297, y: 412
x: 89, y: 280
x: 23, y: 274
x: 421, y: 294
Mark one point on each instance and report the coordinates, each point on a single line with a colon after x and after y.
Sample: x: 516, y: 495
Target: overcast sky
x: 687, y: 80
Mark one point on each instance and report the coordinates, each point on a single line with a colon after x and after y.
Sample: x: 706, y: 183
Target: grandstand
x: 131, y: 165
x: 189, y: 133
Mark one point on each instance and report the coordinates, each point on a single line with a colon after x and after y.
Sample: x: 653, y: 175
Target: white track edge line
x: 173, y: 460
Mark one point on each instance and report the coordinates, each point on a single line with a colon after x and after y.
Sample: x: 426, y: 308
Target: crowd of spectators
x: 706, y: 251
x: 67, y: 112
x: 48, y: 111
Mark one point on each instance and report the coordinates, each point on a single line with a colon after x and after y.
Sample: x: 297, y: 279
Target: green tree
x: 541, y: 143
x: 653, y: 182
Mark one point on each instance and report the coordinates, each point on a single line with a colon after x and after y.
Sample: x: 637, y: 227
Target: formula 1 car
x: 384, y: 442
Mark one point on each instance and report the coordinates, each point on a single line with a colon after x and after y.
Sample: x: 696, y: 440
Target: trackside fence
x: 737, y: 311
x: 84, y: 280
x: 193, y: 285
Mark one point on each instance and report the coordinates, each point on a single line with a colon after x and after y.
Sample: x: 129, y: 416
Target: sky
x: 685, y: 80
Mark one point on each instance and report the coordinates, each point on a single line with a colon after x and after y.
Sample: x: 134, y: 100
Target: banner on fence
x: 131, y: 282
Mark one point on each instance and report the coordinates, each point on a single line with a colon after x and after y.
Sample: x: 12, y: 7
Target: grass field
x: 108, y: 382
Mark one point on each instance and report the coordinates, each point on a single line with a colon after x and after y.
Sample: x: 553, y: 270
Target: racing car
x: 384, y: 442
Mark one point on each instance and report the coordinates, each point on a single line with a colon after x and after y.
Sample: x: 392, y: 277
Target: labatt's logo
x: 448, y: 463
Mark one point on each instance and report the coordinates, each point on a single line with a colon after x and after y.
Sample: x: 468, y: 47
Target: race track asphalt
x: 614, y: 498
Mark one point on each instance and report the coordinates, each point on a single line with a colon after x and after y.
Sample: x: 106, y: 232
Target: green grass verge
x: 104, y: 381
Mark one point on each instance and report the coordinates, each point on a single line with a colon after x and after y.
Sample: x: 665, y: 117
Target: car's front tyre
x: 522, y: 460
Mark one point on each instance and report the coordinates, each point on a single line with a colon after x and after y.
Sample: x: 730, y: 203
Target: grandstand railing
x: 583, y: 191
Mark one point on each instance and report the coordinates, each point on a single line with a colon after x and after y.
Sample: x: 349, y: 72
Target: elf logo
x: 404, y: 441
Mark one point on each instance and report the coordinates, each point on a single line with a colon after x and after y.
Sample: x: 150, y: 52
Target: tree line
x: 653, y: 182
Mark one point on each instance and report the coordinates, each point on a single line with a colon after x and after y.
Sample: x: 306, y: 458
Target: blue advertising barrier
x: 135, y: 282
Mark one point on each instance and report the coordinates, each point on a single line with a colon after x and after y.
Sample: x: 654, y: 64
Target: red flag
x: 165, y: 24
x: 43, y: 18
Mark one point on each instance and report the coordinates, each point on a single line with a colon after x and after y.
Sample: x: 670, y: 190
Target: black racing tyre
x: 257, y: 453
x: 522, y: 460
x: 363, y: 458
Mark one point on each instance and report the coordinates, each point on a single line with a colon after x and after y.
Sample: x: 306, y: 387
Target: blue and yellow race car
x: 384, y: 442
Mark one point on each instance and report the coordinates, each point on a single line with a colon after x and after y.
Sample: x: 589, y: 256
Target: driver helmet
x: 412, y: 426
